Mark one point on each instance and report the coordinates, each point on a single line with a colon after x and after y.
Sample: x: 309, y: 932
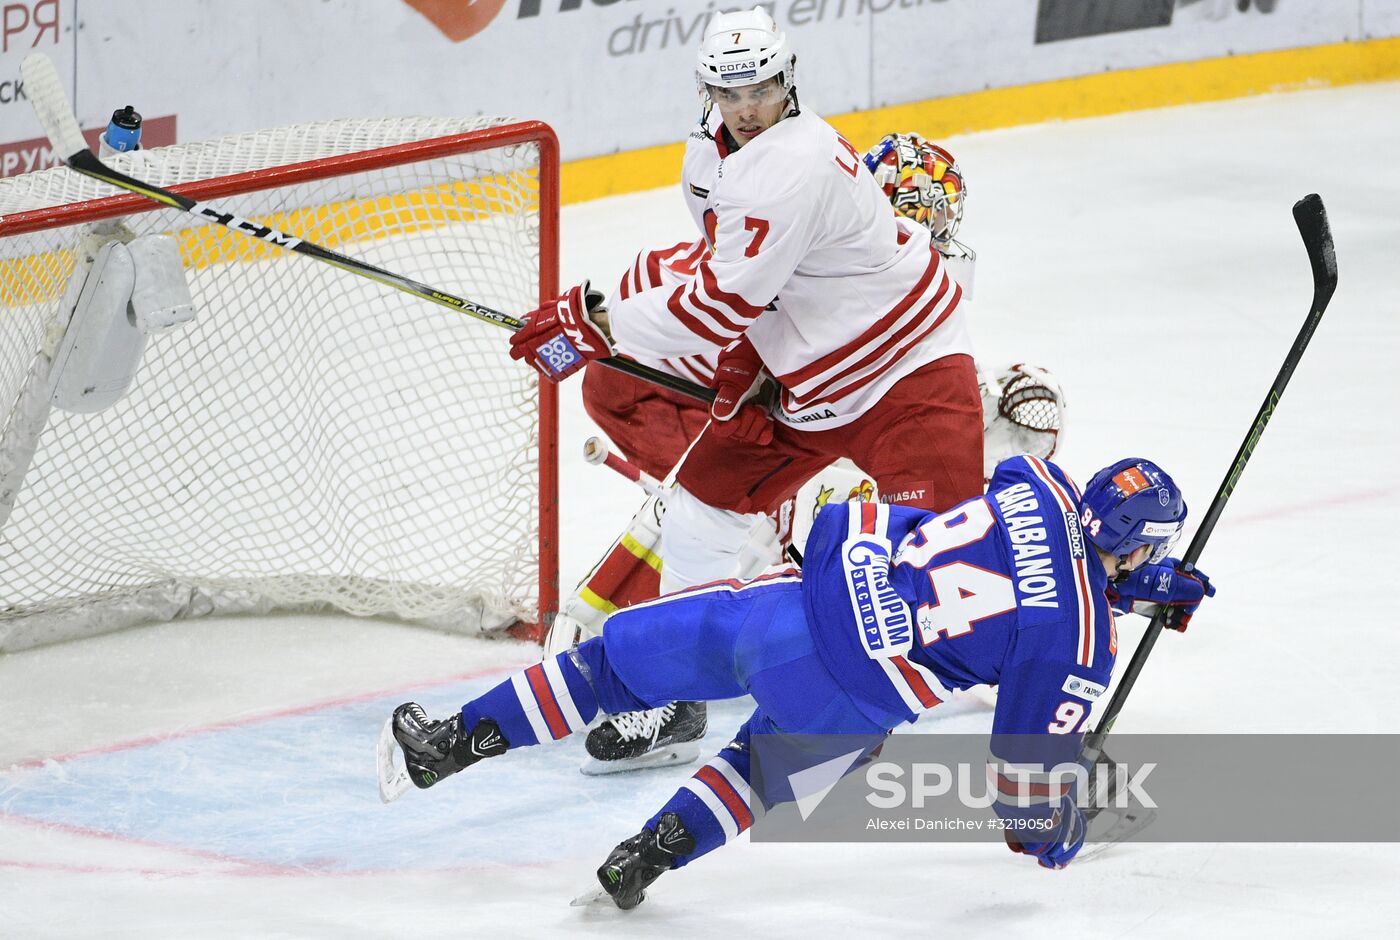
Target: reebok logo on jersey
x: 1076, y: 535
x: 1089, y: 691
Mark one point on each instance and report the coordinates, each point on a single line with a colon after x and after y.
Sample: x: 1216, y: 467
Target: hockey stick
x: 1311, y: 217
x: 596, y: 452
x: 45, y: 92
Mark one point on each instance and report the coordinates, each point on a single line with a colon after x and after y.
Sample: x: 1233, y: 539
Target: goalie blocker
x: 132, y: 290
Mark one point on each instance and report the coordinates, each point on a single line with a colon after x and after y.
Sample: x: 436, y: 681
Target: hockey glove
x: 560, y: 338
x: 739, y: 379
x: 1144, y: 590
x: 1068, y: 839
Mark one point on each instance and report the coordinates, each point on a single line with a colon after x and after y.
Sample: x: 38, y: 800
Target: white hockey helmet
x: 743, y: 48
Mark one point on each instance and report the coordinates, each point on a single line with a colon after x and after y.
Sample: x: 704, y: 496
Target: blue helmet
x: 1130, y: 504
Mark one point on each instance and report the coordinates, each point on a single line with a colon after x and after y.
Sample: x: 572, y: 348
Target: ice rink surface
x: 215, y: 779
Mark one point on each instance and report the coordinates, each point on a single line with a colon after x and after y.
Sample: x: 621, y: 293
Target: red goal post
x: 312, y: 439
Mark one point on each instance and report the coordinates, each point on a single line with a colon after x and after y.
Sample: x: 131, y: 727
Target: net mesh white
x: 313, y: 438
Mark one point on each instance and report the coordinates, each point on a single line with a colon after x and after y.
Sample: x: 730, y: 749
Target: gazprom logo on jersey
x: 1083, y: 688
x: 882, y: 617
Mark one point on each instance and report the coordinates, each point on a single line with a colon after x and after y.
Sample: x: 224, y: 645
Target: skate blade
x: 593, y: 897
x: 393, y: 775
x: 662, y: 757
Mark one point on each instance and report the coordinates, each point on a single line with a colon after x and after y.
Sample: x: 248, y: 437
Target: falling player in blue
x: 894, y: 608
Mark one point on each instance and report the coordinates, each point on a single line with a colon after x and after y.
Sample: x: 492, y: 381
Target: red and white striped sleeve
x: 661, y: 267
x: 757, y: 246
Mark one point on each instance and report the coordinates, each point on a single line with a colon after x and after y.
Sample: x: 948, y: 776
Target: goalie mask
x: 1131, y: 504
x: 743, y: 48
x: 921, y: 180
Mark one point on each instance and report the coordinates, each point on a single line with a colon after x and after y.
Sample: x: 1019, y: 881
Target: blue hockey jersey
x: 1001, y: 590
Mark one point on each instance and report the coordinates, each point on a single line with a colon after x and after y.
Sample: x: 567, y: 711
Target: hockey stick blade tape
x: 45, y: 92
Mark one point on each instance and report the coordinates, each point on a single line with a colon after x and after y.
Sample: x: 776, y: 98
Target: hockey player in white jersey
x: 809, y: 279
x: 1022, y: 408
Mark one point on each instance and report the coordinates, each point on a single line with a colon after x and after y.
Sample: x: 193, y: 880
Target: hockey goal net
x: 312, y: 438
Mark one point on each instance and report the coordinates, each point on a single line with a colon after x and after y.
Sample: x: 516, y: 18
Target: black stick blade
x: 1311, y: 216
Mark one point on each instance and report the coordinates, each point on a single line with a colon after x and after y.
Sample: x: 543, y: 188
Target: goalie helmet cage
x: 313, y: 439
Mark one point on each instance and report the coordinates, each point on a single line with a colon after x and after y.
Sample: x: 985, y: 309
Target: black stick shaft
x: 1311, y: 217
x: 87, y: 163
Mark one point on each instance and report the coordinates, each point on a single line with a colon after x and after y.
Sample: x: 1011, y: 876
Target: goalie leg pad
x: 630, y: 572
x: 701, y: 544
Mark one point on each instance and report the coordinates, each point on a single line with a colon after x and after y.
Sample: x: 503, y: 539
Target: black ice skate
x: 638, y: 740
x: 636, y: 863
x: 430, y: 750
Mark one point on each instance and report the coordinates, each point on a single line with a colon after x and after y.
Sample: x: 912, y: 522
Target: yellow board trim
x: 1086, y: 96
x: 43, y: 277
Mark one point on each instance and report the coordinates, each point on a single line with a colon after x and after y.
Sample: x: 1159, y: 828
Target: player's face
x: 1131, y: 562
x: 749, y: 110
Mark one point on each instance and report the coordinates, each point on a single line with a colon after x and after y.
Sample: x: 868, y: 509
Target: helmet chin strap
x: 706, y: 108
x: 793, y: 108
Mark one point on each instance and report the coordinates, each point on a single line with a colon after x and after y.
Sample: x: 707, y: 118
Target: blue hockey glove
x: 1150, y: 586
x: 1068, y: 839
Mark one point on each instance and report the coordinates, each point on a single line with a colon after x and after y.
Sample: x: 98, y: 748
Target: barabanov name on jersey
x: 1036, y: 577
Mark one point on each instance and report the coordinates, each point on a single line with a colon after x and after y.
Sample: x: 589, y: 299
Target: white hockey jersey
x: 840, y: 297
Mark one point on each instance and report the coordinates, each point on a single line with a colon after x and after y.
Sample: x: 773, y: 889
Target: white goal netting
x: 313, y: 438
